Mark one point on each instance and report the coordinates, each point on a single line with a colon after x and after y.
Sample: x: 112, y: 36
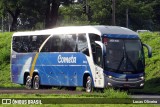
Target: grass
x: 5, y: 44
x: 152, y: 84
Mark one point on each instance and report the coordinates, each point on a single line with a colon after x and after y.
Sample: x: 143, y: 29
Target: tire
x: 88, y: 84
x: 36, y: 82
x: 28, y: 83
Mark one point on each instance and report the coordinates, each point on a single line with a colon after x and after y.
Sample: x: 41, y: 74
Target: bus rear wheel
x: 36, y: 82
x: 28, y: 83
x: 88, y: 84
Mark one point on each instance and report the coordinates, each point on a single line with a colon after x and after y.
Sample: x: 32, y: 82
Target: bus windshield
x: 124, y: 55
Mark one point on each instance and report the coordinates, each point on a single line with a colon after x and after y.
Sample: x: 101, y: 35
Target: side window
x: 98, y: 56
x: 33, y: 44
x: 53, y: 44
x: 83, y: 44
x: 56, y: 43
x: 94, y: 37
x: 25, y: 44
x: 36, y: 41
x: 21, y: 44
x: 47, y: 46
x: 16, y: 43
x: 69, y: 43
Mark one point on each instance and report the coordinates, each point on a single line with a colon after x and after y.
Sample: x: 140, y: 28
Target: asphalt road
x: 40, y: 91
x: 63, y: 91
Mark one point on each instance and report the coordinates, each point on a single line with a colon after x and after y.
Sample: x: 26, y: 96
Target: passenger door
x: 98, y: 60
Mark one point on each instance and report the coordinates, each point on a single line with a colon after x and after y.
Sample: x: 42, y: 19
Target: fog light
x: 109, y: 76
x: 109, y: 84
x: 142, y: 84
x: 142, y: 78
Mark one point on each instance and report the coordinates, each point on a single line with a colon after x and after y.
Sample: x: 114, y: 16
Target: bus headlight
x: 109, y: 76
x: 109, y: 84
x: 142, y: 78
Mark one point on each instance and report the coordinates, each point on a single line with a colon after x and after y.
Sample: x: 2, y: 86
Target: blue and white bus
x: 86, y: 56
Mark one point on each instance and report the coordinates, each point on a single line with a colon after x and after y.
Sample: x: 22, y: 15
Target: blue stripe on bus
x: 122, y: 36
x: 61, y: 69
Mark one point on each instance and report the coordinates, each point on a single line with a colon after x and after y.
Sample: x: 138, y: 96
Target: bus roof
x: 98, y: 29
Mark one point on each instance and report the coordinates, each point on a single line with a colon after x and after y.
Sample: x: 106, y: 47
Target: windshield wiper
x: 130, y: 62
x: 120, y: 64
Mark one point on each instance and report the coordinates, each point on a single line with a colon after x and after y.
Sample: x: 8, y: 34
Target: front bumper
x: 132, y: 83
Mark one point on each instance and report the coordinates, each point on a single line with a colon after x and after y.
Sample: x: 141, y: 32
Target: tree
x: 101, y: 11
x: 139, y: 12
x: 52, y: 7
x: 14, y: 9
x: 46, y: 10
x: 156, y: 14
x: 36, y: 10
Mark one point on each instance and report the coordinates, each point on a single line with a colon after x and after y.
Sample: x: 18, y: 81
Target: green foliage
x: 142, y: 14
x: 101, y: 11
x: 152, y: 84
x: 72, y: 15
x: 5, y: 44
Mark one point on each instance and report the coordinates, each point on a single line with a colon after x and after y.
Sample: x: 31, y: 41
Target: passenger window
x: 25, y: 44
x: 56, y: 43
x: 94, y: 37
x: 83, y: 44
x: 16, y: 45
x: 69, y: 43
x: 98, y: 56
x: 53, y: 44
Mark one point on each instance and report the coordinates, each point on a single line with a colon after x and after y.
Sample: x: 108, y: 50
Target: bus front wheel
x: 89, y: 84
x: 36, y: 82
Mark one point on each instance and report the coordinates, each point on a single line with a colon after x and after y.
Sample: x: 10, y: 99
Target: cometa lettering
x: 70, y: 59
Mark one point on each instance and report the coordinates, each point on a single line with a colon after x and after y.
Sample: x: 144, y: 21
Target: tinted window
x: 115, y: 52
x: 53, y: 44
x: 124, y: 55
x: 23, y: 44
x: 61, y: 43
x: 94, y: 37
x: 69, y: 43
x: 98, y: 56
x: 82, y: 44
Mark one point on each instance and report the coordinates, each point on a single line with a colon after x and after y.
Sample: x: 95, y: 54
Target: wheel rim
x: 89, y: 85
x: 28, y: 83
x: 36, y: 82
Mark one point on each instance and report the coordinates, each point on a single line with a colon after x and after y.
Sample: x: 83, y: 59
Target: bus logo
x: 70, y: 59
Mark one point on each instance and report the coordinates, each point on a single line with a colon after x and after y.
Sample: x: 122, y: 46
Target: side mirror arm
x: 149, y: 50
